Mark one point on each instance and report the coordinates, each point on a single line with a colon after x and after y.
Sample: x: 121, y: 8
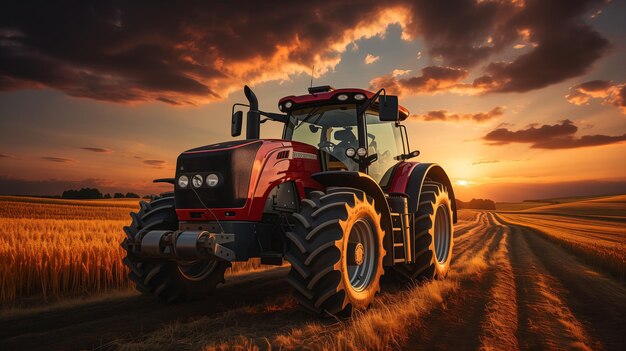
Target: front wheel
x: 336, y: 252
x: 433, y: 235
x: 167, y: 280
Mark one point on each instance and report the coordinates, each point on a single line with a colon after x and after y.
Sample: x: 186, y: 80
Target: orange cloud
x: 610, y: 93
x: 557, y: 136
x: 445, y: 116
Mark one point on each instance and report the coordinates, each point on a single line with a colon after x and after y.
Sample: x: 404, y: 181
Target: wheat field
x: 52, y: 249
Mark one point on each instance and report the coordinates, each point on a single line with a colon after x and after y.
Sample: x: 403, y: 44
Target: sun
x: 462, y: 182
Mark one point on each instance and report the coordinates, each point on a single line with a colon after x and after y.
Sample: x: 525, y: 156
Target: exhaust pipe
x: 253, y: 125
x: 186, y: 245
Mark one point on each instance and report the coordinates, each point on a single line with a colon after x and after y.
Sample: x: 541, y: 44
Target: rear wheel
x: 433, y: 235
x: 336, y: 252
x: 167, y: 280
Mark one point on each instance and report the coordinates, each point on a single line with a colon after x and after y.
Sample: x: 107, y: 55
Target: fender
x: 419, y: 173
x: 364, y: 182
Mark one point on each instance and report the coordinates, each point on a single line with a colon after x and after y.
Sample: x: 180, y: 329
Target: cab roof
x: 328, y: 94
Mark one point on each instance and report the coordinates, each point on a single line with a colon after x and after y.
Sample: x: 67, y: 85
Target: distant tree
x: 83, y: 193
x: 118, y: 196
x: 132, y: 196
x: 107, y: 196
x: 478, y: 204
x: 147, y: 197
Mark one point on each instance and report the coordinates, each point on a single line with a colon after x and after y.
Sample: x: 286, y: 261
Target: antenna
x: 312, y: 70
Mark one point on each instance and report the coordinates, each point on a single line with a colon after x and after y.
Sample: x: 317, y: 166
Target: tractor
x: 336, y: 197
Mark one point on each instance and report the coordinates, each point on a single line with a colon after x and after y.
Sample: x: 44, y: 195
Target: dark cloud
x: 465, y: 33
x: 557, y: 136
x: 155, y: 163
x: 445, y: 116
x: 97, y: 149
x: 58, y: 159
x: 4, y: 156
x: 201, y: 51
x: 178, y: 54
x: 610, y: 93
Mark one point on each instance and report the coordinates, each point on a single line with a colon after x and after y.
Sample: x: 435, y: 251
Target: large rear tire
x: 433, y: 235
x: 336, y: 252
x: 167, y: 280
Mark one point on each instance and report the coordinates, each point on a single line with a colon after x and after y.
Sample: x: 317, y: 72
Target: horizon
x: 511, y: 107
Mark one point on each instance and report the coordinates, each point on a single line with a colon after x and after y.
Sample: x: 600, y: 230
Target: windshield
x: 331, y: 128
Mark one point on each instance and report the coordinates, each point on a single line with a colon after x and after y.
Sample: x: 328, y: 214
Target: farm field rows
x: 514, y: 284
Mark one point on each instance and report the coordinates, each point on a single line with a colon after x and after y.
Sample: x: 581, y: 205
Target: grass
x: 52, y: 249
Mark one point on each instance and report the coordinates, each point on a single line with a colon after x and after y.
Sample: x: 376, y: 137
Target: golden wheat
x: 52, y: 249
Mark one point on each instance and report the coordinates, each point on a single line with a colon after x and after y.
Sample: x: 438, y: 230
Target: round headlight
x: 361, y: 152
x: 197, y: 181
x: 350, y: 152
x: 183, y: 181
x: 359, y: 97
x: 288, y: 104
x: 212, y: 180
x: 342, y: 97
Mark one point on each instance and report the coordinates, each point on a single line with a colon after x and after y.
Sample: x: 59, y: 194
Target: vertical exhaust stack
x: 253, y: 125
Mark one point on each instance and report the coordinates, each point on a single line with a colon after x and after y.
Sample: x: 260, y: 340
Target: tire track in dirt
x: 563, y: 302
x: 90, y: 325
x: 457, y: 323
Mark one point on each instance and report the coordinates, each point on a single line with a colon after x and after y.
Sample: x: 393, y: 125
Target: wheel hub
x: 359, y: 251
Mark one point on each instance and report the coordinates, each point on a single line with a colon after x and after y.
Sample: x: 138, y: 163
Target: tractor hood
x: 231, y: 162
x: 246, y: 172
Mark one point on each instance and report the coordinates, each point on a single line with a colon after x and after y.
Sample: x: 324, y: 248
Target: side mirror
x: 235, y: 126
x: 388, y: 108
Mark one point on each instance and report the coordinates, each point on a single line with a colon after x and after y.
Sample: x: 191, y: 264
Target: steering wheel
x: 328, y: 145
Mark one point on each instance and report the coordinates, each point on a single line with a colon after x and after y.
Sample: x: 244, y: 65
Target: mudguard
x: 434, y: 172
x: 368, y: 185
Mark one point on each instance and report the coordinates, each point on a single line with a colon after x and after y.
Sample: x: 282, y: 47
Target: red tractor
x: 335, y: 197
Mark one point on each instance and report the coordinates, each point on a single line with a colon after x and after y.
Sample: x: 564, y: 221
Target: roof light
x: 361, y: 152
x: 288, y: 104
x: 359, y: 97
x: 342, y: 97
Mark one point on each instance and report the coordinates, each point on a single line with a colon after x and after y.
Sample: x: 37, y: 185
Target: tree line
x: 93, y: 193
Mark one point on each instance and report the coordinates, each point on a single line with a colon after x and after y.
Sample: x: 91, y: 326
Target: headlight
x: 350, y: 152
x: 342, y: 97
x: 183, y: 181
x: 197, y: 181
x: 359, y: 97
x: 212, y: 180
x: 361, y: 152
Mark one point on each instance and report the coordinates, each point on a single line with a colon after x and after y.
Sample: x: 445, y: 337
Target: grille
x: 233, y: 167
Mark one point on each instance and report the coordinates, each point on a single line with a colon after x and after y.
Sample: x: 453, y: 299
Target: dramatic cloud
x: 445, y: 116
x: 4, y: 156
x: 433, y: 79
x: 155, y: 163
x: 560, y: 44
x: 179, y: 55
x: 97, y: 149
x: 557, y: 136
x: 369, y: 59
x: 58, y: 159
x: 610, y: 93
x: 200, y: 52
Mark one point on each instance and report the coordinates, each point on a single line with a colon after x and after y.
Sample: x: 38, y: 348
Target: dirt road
x: 513, y: 289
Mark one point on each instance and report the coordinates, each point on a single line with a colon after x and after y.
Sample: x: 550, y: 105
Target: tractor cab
x: 347, y: 127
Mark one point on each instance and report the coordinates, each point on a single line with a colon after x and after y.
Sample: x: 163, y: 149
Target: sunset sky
x: 515, y: 99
